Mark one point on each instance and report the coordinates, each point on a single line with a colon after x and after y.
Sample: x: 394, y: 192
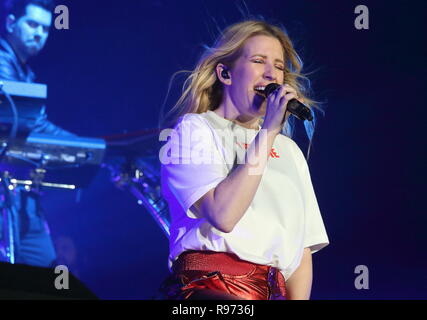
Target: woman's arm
x: 224, y: 205
x: 298, y: 287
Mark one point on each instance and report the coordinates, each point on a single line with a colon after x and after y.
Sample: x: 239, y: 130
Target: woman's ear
x: 10, y: 23
x: 223, y: 74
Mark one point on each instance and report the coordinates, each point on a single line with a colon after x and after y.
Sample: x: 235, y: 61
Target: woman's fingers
x: 287, y: 89
x: 277, y: 103
x: 281, y: 95
x: 288, y: 93
x: 289, y: 97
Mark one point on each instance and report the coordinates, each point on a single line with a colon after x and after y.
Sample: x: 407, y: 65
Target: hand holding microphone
x: 295, y: 107
x: 279, y: 100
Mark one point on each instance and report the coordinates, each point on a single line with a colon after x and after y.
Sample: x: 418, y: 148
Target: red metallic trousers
x: 208, y: 275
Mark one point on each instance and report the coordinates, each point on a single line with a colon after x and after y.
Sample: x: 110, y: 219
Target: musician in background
x: 25, y: 28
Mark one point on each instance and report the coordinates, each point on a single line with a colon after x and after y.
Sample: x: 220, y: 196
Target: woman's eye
x: 280, y: 68
x: 258, y: 61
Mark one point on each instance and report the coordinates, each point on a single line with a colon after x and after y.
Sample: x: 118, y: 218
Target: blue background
x: 109, y: 74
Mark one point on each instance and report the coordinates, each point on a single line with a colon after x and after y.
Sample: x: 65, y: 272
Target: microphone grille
x: 270, y: 88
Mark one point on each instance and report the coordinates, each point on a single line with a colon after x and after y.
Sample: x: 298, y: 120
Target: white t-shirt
x: 284, y: 216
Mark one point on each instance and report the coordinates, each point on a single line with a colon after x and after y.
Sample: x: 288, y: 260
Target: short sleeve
x: 191, y: 163
x: 315, y: 237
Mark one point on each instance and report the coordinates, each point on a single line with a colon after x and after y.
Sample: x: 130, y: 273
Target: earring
x: 224, y: 74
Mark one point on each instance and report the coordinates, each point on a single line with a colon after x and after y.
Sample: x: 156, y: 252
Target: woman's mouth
x: 260, y: 90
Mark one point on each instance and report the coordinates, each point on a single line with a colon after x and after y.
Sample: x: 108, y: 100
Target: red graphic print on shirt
x: 273, y: 153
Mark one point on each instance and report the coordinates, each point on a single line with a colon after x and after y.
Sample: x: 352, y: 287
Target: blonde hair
x: 202, y: 90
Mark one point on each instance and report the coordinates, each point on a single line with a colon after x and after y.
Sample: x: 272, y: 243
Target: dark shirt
x: 33, y: 245
x: 12, y: 69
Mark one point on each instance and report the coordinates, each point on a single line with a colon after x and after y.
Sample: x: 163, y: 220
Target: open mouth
x: 260, y: 90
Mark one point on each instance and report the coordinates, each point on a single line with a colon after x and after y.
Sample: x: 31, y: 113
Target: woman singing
x: 245, y: 219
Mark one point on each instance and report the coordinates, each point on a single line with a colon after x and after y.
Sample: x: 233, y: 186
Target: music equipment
x: 133, y: 161
x: 36, y: 160
x: 66, y: 160
x: 29, y: 99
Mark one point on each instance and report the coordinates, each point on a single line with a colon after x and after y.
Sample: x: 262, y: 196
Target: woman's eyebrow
x: 265, y: 57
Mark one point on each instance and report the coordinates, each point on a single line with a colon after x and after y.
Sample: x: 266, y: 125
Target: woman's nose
x: 269, y: 73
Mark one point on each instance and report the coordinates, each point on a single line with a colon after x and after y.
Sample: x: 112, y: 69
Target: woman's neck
x: 232, y: 114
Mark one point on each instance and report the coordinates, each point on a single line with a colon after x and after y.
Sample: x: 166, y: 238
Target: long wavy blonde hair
x: 202, y: 90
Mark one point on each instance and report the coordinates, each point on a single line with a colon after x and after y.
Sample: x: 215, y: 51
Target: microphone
x: 295, y: 107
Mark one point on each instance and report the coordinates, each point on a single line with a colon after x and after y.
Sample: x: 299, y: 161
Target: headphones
x: 224, y: 74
